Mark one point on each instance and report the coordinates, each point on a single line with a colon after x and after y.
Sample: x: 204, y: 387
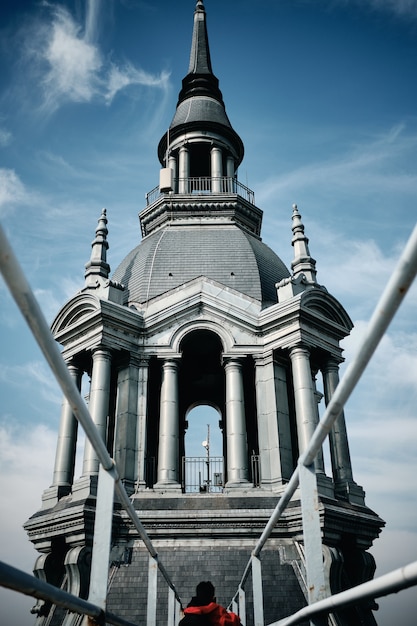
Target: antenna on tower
x: 206, y: 445
x: 167, y: 150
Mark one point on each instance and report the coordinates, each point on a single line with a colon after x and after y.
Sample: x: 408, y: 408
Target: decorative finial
x: 97, y: 265
x: 303, y: 263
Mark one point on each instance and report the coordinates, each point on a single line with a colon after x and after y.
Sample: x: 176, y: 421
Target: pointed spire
x: 200, y: 61
x: 303, y: 263
x: 200, y: 80
x: 97, y: 265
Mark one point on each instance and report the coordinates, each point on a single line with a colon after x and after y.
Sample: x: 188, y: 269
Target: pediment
x: 75, y: 310
x: 202, y: 290
x: 319, y: 301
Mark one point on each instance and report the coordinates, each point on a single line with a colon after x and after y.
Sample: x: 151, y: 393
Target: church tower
x: 203, y: 313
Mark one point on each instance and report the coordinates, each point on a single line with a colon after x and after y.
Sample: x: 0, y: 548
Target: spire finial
x: 97, y: 265
x: 200, y: 62
x: 303, y: 262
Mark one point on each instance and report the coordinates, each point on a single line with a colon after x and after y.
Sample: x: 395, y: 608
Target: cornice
x: 193, y: 208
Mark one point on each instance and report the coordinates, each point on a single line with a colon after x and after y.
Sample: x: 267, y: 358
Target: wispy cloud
x: 26, y: 459
x: 5, y: 137
x: 31, y: 375
x: 400, y: 8
x: 404, y: 8
x: 71, y: 66
x: 366, y: 165
x: 12, y: 191
x: 92, y: 20
x: 121, y: 77
x: 73, y: 63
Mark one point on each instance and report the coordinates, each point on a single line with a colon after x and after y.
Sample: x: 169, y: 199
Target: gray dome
x: 170, y: 257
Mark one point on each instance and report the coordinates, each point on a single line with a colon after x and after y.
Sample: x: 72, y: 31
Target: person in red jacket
x: 203, y: 609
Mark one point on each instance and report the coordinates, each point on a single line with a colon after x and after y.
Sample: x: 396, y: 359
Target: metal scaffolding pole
x: 31, y: 311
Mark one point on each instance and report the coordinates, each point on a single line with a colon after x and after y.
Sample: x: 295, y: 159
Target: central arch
x: 203, y: 463
x: 201, y: 388
x: 201, y: 378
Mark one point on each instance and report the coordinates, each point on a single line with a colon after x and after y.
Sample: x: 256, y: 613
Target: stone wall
x: 222, y: 562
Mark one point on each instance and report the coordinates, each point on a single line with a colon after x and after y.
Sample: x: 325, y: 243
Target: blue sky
x: 323, y: 94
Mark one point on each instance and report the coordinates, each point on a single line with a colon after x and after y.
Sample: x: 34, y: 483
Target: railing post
x: 152, y: 590
x: 102, y: 539
x: 258, y: 601
x: 316, y: 586
x: 171, y: 607
x: 242, y: 606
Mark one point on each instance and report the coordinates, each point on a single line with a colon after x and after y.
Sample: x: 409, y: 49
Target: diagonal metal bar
x: 394, y: 581
x: 31, y: 311
x: 387, y: 306
x: 389, y: 302
x: 15, y: 579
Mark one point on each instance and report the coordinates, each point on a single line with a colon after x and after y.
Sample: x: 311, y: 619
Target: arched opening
x: 199, y: 160
x: 203, y: 464
x: 202, y: 387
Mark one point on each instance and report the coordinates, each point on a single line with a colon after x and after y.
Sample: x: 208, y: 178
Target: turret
x: 200, y: 148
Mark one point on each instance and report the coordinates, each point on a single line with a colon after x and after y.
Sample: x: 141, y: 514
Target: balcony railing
x: 202, y: 474
x: 205, y: 185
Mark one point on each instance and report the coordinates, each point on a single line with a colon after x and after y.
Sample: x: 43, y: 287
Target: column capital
x: 299, y: 348
x: 230, y: 359
x: 331, y: 364
x: 102, y: 351
x: 73, y: 367
x: 170, y: 363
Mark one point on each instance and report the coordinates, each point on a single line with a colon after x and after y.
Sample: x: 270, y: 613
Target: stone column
x: 172, y: 164
x: 317, y: 399
x: 98, y: 405
x: 184, y: 170
x: 345, y: 486
x: 168, y: 450
x: 125, y: 438
x: 237, y: 454
x: 142, y: 421
x: 274, y: 433
x: 67, y: 441
x: 216, y: 169
x: 305, y: 401
x: 230, y: 173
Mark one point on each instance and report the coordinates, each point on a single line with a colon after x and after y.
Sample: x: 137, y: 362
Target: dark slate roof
x: 200, y: 109
x: 170, y: 257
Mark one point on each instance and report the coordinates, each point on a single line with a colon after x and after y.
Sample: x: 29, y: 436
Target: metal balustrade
x: 204, y: 185
x: 202, y: 474
x: 304, y: 476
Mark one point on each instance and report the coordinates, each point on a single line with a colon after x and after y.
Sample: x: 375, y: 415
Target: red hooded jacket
x: 217, y: 614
